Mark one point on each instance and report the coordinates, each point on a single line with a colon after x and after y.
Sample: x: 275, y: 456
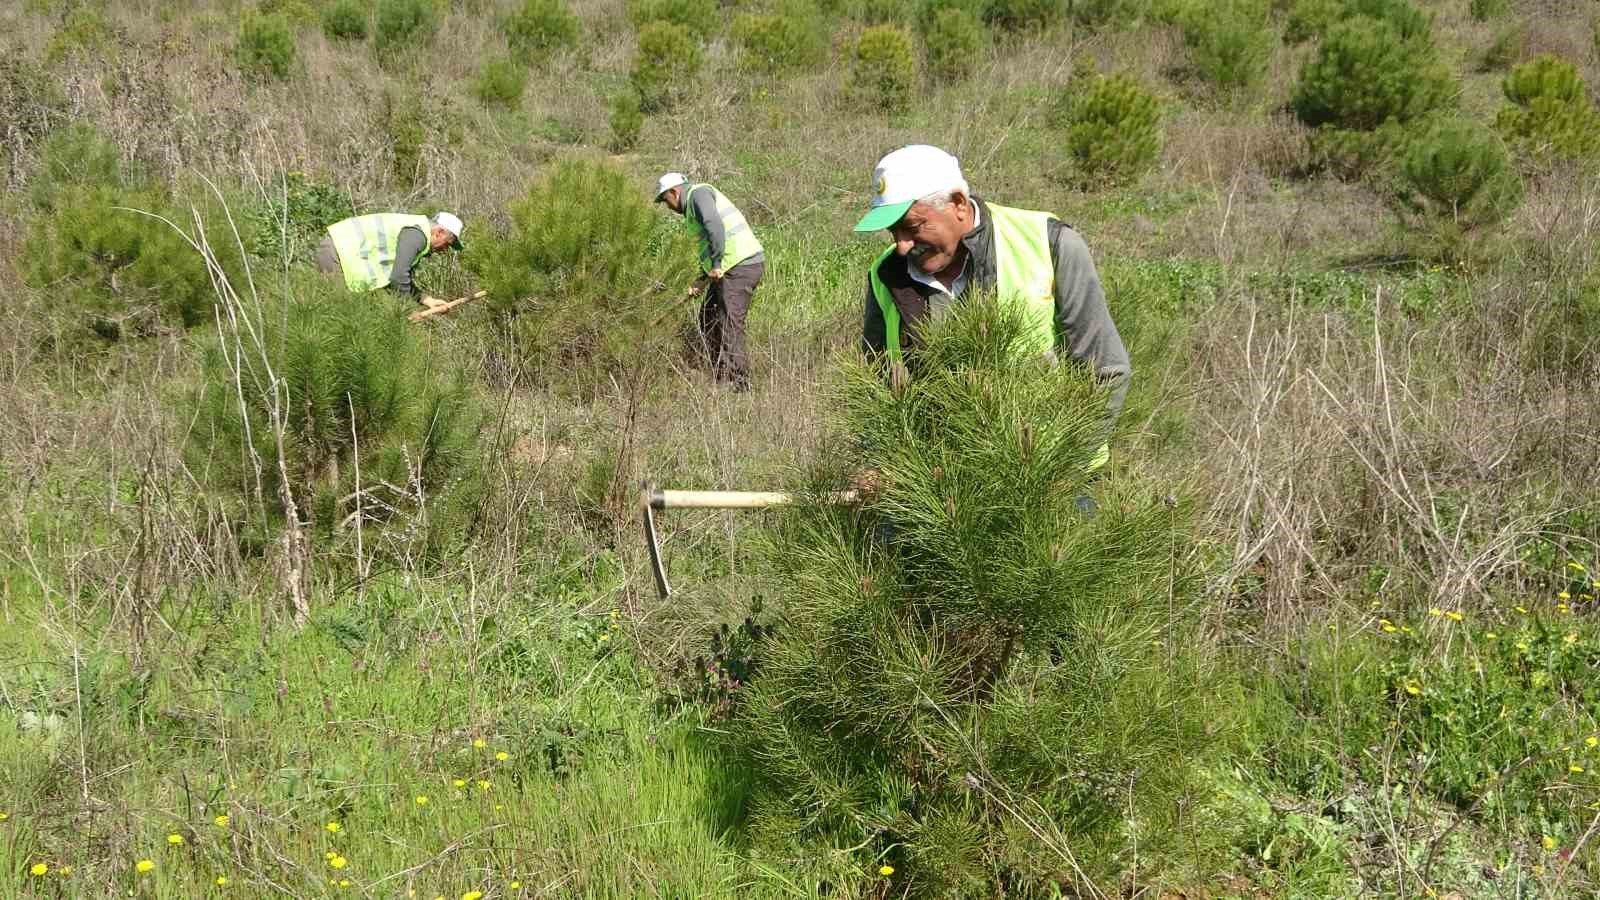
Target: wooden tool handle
x: 445, y: 307
x: 660, y: 499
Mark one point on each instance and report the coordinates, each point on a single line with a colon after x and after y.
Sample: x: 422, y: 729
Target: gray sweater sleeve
x: 705, y: 209
x: 412, y: 240
x: 874, y: 338
x: 1083, y: 321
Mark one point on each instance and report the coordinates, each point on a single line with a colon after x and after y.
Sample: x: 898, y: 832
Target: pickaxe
x: 652, y: 498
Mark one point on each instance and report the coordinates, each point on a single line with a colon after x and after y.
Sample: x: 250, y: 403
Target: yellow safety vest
x: 367, y: 246
x: 739, y: 242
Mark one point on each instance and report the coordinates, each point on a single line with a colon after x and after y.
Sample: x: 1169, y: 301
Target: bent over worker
x: 381, y: 250
x: 732, y: 262
x: 948, y: 242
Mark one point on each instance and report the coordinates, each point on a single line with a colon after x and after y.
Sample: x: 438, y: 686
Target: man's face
x: 440, y: 238
x: 673, y: 198
x: 931, y: 238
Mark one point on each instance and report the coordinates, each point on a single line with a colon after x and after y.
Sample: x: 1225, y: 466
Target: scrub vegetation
x: 300, y: 598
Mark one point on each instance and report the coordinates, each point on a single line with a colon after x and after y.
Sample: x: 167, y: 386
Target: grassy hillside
x: 301, y: 599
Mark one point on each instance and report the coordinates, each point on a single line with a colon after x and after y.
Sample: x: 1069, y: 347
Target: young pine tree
x: 973, y: 682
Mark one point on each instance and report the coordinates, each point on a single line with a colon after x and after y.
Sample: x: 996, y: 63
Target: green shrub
x: 627, y: 120
x: 965, y: 638
x: 884, y: 71
x: 265, y: 45
x: 1229, y: 42
x: 1313, y: 18
x: 1113, y: 127
x: 345, y: 20
x: 350, y: 373
x: 580, y: 280
x: 1364, y: 74
x: 294, y: 216
x: 701, y: 17
x: 1509, y: 44
x: 665, y: 65
x: 1484, y: 10
x: 501, y: 81
x: 1549, y: 112
x: 404, y: 23
x: 780, y: 41
x: 84, y: 31
x: 541, y: 25
x: 1351, y: 154
x: 954, y: 39
x: 1455, y: 180
x: 1024, y: 15
x: 408, y: 135
x: 113, y: 271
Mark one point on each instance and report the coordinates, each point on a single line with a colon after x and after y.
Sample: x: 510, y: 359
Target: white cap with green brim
x: 906, y: 176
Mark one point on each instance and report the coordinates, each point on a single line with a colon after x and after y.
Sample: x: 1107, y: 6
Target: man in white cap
x: 732, y: 262
x: 949, y: 243
x: 380, y: 250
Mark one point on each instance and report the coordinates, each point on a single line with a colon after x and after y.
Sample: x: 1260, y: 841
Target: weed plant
x: 665, y: 66
x: 785, y: 40
x: 346, y: 20
x: 627, y: 120
x: 884, y: 72
x: 539, y: 26
x: 972, y: 682
x: 501, y: 82
x: 1113, y: 127
x: 954, y: 39
x: 266, y: 46
x: 403, y: 24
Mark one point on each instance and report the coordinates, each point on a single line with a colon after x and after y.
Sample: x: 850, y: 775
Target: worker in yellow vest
x: 732, y: 261
x: 381, y: 249
x: 948, y: 242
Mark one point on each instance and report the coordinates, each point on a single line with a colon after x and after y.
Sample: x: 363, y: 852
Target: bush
x: 294, y: 217
x: 1549, y: 112
x: 580, y: 280
x: 1484, y: 10
x: 350, y: 372
x: 954, y: 37
x: 1229, y: 42
x: 627, y: 120
x: 408, y: 134
x: 501, y: 81
x: 965, y: 637
x: 540, y: 25
x: 1312, y: 18
x: 265, y: 45
x: 1364, y: 74
x: 113, y: 272
x: 345, y: 20
x: 1456, y: 180
x: 665, y: 66
x: 84, y: 31
x: 403, y: 23
x: 701, y: 17
x: 780, y: 41
x: 884, y: 73
x: 1023, y: 15
x: 1113, y: 127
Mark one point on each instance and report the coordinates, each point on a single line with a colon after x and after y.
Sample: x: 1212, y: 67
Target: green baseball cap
x: 906, y: 176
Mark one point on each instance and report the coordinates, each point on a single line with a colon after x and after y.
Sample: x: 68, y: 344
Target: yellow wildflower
x: 1571, y: 638
x: 480, y: 743
x: 1405, y: 629
x: 1591, y: 742
x: 1454, y: 616
x: 1563, y: 596
x: 1562, y: 607
x: 144, y: 865
x: 330, y: 854
x: 460, y: 782
x: 1385, y: 622
x: 220, y: 821
x: 4, y: 816
x: 344, y: 882
x: 502, y: 756
x: 64, y: 871
x: 338, y: 862
x: 1435, y: 611
x: 472, y: 895
x: 886, y: 871
x: 604, y: 638
x: 1413, y: 688
x: 1490, y: 635
x: 1575, y: 769
x: 40, y: 868
x: 175, y: 839
x: 1521, y: 609
x: 1548, y: 842
x: 1522, y: 645
x: 483, y: 785
x: 1575, y: 565
x: 333, y: 827
x: 1389, y: 629
x: 222, y: 881
x: 516, y: 885
x: 422, y: 799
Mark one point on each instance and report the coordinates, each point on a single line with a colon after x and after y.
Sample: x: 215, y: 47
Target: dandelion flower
x: 1522, y: 645
x: 220, y: 821
x: 472, y: 895
x: 175, y: 839
x: 460, y: 782
x: 483, y: 785
x: 1548, y: 842
x: 516, y: 885
x: 1521, y: 609
x: 1490, y: 635
x: 344, y: 882
x: 502, y: 756
x: 1563, y: 596
x: 222, y: 881
x: 886, y: 871
x: 1389, y: 629
x: 330, y: 854
x: 1385, y: 622
x: 40, y: 868
x: 333, y: 827
x: 1454, y: 616
x: 604, y: 638
x: 1413, y: 688
x: 1575, y: 769
x: 1562, y: 607
x: 422, y: 799
x: 1591, y: 742
x: 479, y: 743
x: 1406, y: 629
x: 4, y: 816
x: 1571, y: 638
x: 144, y: 865
x: 338, y: 862
x: 1435, y: 611
x: 64, y: 871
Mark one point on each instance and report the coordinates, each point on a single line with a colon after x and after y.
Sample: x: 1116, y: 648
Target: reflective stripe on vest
x: 367, y: 246
x: 1024, y: 273
x: 739, y: 242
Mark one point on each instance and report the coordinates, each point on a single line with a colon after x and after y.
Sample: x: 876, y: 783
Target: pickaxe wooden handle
x: 652, y: 498
x: 444, y: 307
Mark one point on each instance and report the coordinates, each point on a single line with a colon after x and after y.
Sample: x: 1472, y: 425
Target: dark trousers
x: 722, y: 321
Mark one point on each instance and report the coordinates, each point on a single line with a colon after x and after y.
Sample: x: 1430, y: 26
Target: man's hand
x: 716, y: 274
x: 868, y: 484
x: 429, y: 302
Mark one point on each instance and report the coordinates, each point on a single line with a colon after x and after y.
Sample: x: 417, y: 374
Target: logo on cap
x: 883, y: 184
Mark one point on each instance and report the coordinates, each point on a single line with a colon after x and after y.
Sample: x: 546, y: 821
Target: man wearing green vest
x: 380, y: 250
x: 731, y: 259
x: 948, y: 243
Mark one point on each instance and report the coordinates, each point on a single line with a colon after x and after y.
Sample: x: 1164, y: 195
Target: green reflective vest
x: 739, y: 242
x: 367, y: 245
x: 1024, y: 274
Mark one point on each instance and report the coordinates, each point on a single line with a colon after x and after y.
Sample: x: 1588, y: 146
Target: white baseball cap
x: 667, y: 182
x: 451, y: 223
x: 906, y: 176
